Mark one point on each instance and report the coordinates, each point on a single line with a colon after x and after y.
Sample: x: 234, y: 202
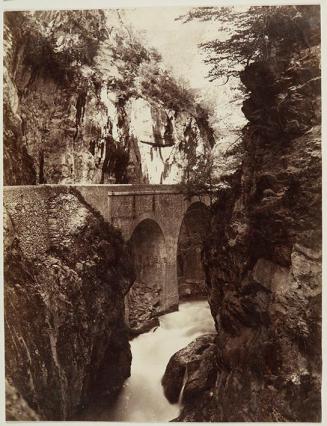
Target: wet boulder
x: 191, y: 370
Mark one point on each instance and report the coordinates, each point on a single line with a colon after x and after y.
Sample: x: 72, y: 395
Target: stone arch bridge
x: 153, y: 218
x: 163, y: 227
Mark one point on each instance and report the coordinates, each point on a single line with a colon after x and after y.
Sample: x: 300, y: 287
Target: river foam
x: 142, y: 398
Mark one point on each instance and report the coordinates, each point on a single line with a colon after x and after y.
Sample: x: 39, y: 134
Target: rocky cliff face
x: 86, y: 102
x: 263, y: 258
x: 66, y: 273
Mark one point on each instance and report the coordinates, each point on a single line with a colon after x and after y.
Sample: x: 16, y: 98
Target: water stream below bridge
x: 142, y: 398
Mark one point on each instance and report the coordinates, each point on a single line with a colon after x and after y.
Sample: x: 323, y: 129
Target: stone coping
x: 127, y: 189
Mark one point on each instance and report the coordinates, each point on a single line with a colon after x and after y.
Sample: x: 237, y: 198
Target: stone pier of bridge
x: 150, y: 207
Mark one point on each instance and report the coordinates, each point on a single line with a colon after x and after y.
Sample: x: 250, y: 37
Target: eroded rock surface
x: 86, y: 102
x: 66, y: 274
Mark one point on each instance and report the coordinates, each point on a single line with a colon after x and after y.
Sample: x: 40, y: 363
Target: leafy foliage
x: 127, y: 55
x: 57, y: 43
x: 158, y: 83
x: 141, y: 73
x: 255, y: 34
x: 201, y: 177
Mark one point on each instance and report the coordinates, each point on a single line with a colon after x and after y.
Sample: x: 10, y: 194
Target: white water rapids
x: 142, y: 398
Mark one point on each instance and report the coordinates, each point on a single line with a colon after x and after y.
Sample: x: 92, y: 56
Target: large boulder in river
x: 191, y: 370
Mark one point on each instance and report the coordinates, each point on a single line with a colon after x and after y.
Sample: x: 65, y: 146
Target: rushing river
x: 142, y: 398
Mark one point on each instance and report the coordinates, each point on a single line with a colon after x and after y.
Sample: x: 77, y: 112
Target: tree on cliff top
x: 259, y: 33
x: 255, y: 34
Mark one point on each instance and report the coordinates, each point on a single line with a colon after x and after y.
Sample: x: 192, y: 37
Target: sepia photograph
x: 162, y: 213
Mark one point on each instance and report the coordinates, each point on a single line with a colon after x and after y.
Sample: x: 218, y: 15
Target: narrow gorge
x: 163, y: 243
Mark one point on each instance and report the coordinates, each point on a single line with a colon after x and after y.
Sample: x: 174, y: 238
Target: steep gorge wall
x: 66, y: 274
x: 86, y: 102
x: 263, y: 260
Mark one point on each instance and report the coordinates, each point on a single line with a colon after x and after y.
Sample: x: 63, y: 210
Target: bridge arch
x: 193, y: 230
x: 143, y: 217
x: 148, y: 248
